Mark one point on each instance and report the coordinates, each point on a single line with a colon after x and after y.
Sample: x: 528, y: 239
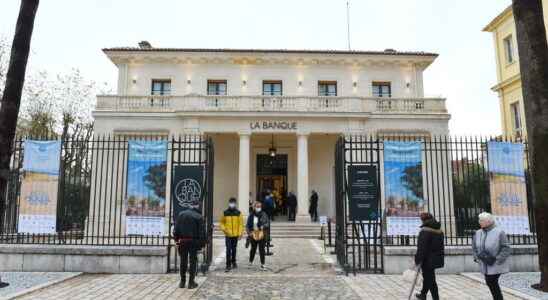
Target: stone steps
x: 288, y: 230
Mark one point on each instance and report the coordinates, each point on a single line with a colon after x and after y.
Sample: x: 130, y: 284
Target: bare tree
x: 533, y: 57
x: 11, y: 97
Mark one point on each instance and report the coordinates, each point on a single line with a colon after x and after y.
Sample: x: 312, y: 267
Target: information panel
x: 187, y: 188
x: 363, y: 193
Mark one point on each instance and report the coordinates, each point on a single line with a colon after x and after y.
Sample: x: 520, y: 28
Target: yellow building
x: 508, y: 84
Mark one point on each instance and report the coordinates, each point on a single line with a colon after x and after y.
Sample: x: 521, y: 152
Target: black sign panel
x: 363, y: 193
x: 187, y: 188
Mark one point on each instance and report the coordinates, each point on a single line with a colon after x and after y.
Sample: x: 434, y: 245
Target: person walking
x: 269, y: 205
x: 430, y: 255
x: 291, y: 207
x: 491, y: 251
x: 313, y: 208
x: 256, y: 226
x: 232, y: 224
x: 190, y: 236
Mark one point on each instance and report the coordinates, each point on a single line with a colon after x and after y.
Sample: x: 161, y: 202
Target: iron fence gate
x: 92, y: 191
x: 358, y: 244
x: 194, y: 151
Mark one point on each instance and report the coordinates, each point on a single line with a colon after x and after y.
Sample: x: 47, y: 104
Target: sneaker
x: 234, y: 266
x: 227, y: 269
x: 182, y: 284
x: 192, y: 285
x: 250, y: 263
x: 263, y: 268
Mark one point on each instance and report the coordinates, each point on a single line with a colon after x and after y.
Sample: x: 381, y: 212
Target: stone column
x: 243, y: 172
x: 302, y: 174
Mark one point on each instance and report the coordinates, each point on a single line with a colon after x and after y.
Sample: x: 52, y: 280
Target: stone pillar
x: 302, y: 174
x: 243, y: 173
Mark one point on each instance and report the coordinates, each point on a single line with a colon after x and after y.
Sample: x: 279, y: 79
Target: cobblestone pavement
x: 519, y: 282
x: 297, y: 270
x: 21, y: 281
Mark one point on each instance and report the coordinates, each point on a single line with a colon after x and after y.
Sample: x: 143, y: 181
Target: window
x: 161, y: 87
x: 382, y: 89
x: 516, y: 116
x: 272, y: 88
x: 216, y: 87
x: 509, y: 49
x: 327, y: 88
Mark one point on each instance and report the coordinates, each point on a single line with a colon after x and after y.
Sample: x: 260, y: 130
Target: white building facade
x: 253, y: 103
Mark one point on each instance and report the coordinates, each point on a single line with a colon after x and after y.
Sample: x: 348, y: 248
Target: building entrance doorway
x: 272, y: 176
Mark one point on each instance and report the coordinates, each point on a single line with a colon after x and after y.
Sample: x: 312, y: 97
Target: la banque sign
x: 273, y: 125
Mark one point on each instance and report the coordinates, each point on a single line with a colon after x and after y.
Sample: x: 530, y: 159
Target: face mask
x: 257, y: 210
x: 231, y: 205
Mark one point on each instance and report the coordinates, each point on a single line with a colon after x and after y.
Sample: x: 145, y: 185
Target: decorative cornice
x: 499, y: 86
x: 505, y: 14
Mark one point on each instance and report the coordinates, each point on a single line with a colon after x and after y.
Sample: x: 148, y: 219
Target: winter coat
x: 232, y: 223
x: 430, y: 249
x: 313, y: 202
x: 292, y: 201
x: 190, y: 228
x: 264, y: 221
x: 494, y: 241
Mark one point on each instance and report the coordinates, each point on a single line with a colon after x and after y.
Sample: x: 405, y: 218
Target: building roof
x: 499, y: 18
x: 266, y: 51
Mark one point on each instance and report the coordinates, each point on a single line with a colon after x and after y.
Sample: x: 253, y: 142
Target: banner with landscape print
x: 146, y: 187
x: 403, y: 187
x: 39, y: 189
x: 508, y: 187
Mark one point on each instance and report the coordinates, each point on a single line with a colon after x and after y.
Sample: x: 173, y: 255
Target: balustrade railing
x: 199, y: 103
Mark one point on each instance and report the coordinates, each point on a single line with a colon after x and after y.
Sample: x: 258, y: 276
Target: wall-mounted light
x: 300, y: 82
x: 244, y: 82
x: 355, y: 84
x: 188, y: 81
x: 408, y: 84
x: 134, y: 79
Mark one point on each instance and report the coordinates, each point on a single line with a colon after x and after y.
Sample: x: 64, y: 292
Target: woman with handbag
x: 491, y: 251
x: 257, y: 225
x: 430, y: 255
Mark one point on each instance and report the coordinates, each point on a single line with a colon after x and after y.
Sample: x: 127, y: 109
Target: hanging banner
x: 187, y: 188
x: 39, y: 188
x: 363, y: 195
x: 508, y: 187
x: 403, y: 188
x: 146, y: 187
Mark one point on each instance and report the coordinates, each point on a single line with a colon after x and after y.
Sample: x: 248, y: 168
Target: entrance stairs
x: 289, y: 230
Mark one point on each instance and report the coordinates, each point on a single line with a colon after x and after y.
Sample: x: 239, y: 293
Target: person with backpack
x: 190, y: 236
x: 257, y: 230
x: 232, y: 225
x: 430, y: 254
x: 491, y: 251
x: 268, y: 205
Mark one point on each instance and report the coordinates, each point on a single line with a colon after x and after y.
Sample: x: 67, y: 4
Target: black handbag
x: 487, y: 258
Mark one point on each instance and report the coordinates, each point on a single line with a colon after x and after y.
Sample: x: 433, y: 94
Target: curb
x: 39, y: 287
x: 504, y: 289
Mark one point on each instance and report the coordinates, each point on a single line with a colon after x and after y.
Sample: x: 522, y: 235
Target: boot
x: 182, y: 283
x: 192, y: 285
x: 420, y: 296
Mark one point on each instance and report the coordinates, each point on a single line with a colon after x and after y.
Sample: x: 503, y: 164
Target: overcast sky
x: 70, y: 33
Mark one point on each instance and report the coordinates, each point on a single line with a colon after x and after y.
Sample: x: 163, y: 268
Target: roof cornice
x: 505, y: 14
x: 265, y: 56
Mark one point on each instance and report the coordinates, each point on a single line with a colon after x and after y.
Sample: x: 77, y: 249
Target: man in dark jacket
x: 313, y: 209
x: 190, y: 236
x: 430, y: 254
x: 291, y: 206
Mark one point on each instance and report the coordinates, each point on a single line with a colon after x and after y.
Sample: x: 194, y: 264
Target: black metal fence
x: 92, y: 191
x: 456, y: 188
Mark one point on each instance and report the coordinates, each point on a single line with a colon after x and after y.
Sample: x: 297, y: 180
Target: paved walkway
x: 296, y: 271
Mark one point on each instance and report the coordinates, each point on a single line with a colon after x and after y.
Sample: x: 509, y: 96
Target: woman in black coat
x: 430, y: 254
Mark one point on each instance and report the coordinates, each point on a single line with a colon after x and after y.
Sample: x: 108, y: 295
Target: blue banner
x: 403, y: 187
x: 506, y: 158
x: 42, y: 157
x: 146, y: 187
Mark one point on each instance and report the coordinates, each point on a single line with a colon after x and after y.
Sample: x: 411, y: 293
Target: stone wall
x: 89, y: 259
